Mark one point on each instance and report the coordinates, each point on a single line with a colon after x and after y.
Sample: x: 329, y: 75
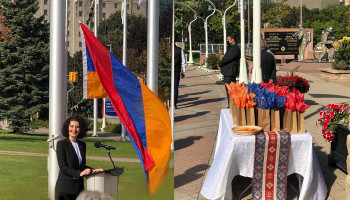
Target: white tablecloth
x: 234, y: 155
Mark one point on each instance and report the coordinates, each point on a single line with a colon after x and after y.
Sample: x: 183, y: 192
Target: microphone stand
x: 109, y: 154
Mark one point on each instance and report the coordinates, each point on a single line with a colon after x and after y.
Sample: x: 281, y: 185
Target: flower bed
x: 297, y: 82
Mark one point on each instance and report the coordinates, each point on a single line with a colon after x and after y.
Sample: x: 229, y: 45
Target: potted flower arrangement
x: 334, y: 120
x: 296, y: 82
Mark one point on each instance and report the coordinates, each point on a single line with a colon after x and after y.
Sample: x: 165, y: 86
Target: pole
x: 172, y: 77
x: 256, y: 76
x: 104, y: 103
x: 58, y: 87
x: 249, y: 33
x: 96, y: 19
x: 243, y: 67
x: 301, y: 11
x: 206, y: 31
x: 152, y: 45
x: 125, y: 35
x: 224, y: 23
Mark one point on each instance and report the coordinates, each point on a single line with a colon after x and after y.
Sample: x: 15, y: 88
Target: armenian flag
x: 144, y: 116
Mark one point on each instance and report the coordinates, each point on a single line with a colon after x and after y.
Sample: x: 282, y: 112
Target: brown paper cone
x: 235, y: 115
x: 260, y: 117
x: 294, y: 123
x: 301, y: 122
x: 286, y: 120
x: 275, y: 120
x: 242, y: 118
x: 250, y: 117
x: 266, y: 120
x: 231, y: 106
x: 282, y: 111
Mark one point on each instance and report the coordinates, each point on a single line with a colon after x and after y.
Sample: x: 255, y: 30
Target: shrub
x: 340, y: 65
x: 343, y: 55
x: 41, y: 123
x: 212, y: 61
x: 113, y: 128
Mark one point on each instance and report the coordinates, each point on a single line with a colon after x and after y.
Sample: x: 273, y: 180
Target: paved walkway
x: 196, y: 124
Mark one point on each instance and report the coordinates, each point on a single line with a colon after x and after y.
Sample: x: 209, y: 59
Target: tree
x: 24, y: 65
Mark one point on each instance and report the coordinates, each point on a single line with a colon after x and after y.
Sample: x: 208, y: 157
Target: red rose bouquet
x: 296, y: 82
x: 332, y: 116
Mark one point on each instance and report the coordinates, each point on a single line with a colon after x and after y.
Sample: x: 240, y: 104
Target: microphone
x: 99, y: 144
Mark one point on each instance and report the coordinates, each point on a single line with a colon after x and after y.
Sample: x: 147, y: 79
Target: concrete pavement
x: 201, y: 98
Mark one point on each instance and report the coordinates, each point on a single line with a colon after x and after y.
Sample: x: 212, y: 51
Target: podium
x: 105, y: 182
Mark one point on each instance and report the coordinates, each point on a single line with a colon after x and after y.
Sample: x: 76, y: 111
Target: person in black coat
x: 230, y: 62
x: 268, y: 65
x: 180, y: 64
x: 71, y: 157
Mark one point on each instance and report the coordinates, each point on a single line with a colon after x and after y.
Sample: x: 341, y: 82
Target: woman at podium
x: 71, y: 157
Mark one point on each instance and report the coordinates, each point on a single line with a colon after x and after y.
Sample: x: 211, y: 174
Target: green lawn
x: 25, y: 177
x: 36, y: 143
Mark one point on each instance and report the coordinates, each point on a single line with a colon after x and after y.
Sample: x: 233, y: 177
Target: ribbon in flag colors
x: 144, y: 116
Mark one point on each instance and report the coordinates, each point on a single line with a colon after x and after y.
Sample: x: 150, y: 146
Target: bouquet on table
x: 268, y: 102
x: 332, y: 116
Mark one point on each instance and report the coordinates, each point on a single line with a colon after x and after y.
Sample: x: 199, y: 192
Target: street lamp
x: 224, y: 25
x: 206, y: 31
x: 190, y: 61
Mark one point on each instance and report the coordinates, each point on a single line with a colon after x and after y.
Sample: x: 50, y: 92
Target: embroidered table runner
x: 271, y: 165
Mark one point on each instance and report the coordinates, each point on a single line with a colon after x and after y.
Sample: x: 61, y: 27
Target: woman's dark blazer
x: 69, y: 180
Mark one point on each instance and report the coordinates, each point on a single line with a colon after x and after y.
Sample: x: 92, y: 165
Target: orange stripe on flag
x: 159, y: 138
x: 94, y: 86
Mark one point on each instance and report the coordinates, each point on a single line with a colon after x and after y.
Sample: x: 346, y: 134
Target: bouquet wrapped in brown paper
x: 250, y: 112
x: 293, y: 121
x: 301, y: 107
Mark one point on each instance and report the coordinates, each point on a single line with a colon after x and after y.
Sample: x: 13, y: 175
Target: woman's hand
x: 97, y: 170
x: 85, y: 172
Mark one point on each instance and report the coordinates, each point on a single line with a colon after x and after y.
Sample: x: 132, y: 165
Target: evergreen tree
x: 24, y: 65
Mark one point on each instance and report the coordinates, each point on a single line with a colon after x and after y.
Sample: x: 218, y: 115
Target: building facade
x: 78, y: 10
x: 320, y: 4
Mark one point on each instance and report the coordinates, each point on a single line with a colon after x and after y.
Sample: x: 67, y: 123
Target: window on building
x: 115, y: 5
x: 103, y: 5
x: 45, y: 2
x: 92, y: 24
x: 104, y: 15
x: 45, y: 12
x: 80, y: 13
x: 67, y: 23
x: 67, y: 43
x: 127, y: 6
x: 138, y: 7
x: 79, y: 33
x: 67, y: 33
x: 80, y: 3
x: 45, y: 21
x: 79, y: 44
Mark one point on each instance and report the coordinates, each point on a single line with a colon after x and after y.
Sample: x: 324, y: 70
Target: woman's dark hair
x: 82, y: 126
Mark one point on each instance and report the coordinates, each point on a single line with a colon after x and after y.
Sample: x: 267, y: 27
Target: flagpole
x: 256, y: 75
x: 172, y: 77
x: 96, y: 21
x: 243, y: 77
x: 125, y: 36
x: 152, y: 45
x: 58, y: 88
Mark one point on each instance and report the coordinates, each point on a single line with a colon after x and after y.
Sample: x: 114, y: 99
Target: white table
x: 234, y: 155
